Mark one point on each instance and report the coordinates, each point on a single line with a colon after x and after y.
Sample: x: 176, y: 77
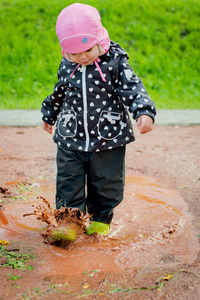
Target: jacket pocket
x: 67, y: 123
x: 109, y: 124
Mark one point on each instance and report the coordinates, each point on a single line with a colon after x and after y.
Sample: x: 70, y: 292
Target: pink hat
x: 79, y: 28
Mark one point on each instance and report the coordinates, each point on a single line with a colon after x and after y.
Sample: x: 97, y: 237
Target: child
x: 95, y: 87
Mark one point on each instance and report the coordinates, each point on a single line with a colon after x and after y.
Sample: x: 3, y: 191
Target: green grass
x: 161, y: 38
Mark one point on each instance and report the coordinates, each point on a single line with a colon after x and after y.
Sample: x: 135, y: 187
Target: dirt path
x: 155, y: 256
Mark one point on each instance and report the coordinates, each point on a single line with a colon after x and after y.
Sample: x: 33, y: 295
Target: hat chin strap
x: 74, y: 70
x: 99, y: 69
x: 96, y: 64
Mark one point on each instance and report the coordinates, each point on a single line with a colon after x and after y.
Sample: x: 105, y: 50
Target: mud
x: 154, y: 234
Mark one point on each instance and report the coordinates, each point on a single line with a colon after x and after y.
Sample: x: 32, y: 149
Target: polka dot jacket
x: 92, y: 114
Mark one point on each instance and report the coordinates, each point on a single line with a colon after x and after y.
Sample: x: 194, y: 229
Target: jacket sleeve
x: 52, y: 104
x: 132, y: 92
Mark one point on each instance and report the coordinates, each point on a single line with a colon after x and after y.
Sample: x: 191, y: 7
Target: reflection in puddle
x: 150, y: 228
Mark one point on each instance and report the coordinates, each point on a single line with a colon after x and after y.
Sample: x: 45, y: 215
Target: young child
x: 95, y: 87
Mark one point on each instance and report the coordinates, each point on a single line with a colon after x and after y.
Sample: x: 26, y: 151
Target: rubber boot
x: 98, y: 227
x: 68, y: 233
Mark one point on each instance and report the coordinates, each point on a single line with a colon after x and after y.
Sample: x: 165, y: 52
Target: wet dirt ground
x: 152, y: 251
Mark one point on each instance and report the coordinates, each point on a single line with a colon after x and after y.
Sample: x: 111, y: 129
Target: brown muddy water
x: 151, y: 227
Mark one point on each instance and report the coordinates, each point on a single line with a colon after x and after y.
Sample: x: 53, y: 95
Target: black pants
x: 104, y: 173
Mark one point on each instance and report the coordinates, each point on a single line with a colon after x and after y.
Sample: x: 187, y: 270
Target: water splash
x: 59, y: 218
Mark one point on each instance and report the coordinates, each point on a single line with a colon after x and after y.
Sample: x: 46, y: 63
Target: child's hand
x: 144, y: 124
x: 47, y: 127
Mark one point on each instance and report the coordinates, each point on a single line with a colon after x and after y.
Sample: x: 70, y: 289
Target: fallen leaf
x: 13, y: 277
x: 90, y: 273
x: 85, y: 286
x: 184, y: 187
x: 167, y: 277
x: 3, y: 242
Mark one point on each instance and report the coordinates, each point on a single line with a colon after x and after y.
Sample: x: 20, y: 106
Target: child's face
x: 86, y: 57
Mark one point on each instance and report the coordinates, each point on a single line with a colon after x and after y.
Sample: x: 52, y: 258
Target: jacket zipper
x: 85, y: 108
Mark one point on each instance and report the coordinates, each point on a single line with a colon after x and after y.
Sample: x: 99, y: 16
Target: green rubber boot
x: 68, y: 233
x: 98, y: 227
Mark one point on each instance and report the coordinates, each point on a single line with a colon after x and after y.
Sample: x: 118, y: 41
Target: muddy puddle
x: 151, y: 227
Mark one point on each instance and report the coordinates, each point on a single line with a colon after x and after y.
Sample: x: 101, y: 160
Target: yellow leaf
x: 167, y: 277
x: 3, y: 242
x: 85, y: 286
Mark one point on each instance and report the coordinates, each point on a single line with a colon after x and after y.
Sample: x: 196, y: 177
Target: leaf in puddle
x: 13, y: 277
x: 18, y: 265
x: 16, y: 261
x: 90, y: 273
x: 30, y: 268
x: 85, y: 286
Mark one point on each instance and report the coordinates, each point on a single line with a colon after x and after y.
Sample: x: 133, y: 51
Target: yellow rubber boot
x: 98, y: 227
x: 68, y: 233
